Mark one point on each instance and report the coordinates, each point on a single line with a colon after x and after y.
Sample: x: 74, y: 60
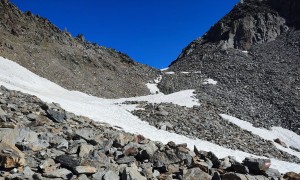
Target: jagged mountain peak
x: 254, y: 21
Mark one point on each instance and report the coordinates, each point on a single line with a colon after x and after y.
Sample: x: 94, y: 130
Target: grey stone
x: 59, y: 173
x: 233, y: 176
x: 85, y: 133
x: 273, y: 173
x: 148, y: 150
x: 57, y: 115
x: 85, y: 149
x: 99, y: 175
x: 59, y: 142
x: 225, y: 163
x: 125, y: 160
x: 18, y: 135
x: 2, y: 113
x: 68, y: 161
x: 110, y: 175
x: 239, y: 168
x: 48, y: 165
x: 196, y: 173
x: 85, y: 170
x: 167, y: 157
x: 295, y: 149
x: 162, y: 113
x: 156, y: 173
x: 83, y: 177
x: 27, y: 172
x: 216, y: 176
x: 132, y: 174
x: 147, y: 170
x: 280, y: 142
x: 31, y: 117
x: 121, y: 140
x: 257, y: 166
x: 165, y: 125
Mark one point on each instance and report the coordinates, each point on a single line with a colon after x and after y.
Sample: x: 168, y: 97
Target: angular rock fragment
x: 68, y: 161
x: 59, y: 173
x: 85, y: 170
x: 58, y: 116
x: 11, y: 156
x: 291, y: 176
x: 196, y: 173
x: 257, y: 166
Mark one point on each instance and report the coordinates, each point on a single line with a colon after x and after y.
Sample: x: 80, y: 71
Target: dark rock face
x: 253, y: 21
x: 261, y: 85
x: 73, y: 63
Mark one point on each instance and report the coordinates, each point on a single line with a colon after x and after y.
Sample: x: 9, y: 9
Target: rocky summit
x: 246, y: 66
x: 252, y: 55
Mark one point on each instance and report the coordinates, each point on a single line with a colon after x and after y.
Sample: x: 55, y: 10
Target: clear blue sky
x: 152, y: 32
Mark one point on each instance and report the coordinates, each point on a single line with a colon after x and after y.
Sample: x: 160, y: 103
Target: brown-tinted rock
x: 10, y: 156
x: 196, y: 173
x: 85, y: 149
x: 85, y: 170
x: 48, y: 165
x: 59, y: 173
x: 280, y: 142
x: 292, y: 176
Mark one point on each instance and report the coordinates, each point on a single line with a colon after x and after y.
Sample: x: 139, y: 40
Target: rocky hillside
x: 43, y: 141
x: 252, y: 55
x: 73, y: 63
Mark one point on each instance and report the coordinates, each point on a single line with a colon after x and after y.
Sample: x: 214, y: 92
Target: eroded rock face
x: 254, y: 21
x: 11, y: 156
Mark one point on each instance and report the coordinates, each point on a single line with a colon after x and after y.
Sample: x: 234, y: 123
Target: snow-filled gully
x: 111, y: 111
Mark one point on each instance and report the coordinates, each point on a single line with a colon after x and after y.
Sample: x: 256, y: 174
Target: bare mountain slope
x: 73, y: 63
x: 260, y: 85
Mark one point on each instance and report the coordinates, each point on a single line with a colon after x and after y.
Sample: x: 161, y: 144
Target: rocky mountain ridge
x: 260, y: 85
x: 253, y: 54
x: 254, y: 22
x: 73, y: 63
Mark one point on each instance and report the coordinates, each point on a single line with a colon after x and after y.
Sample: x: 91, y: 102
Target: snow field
x: 111, y: 111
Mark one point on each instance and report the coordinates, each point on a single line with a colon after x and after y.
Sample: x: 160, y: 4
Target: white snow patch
x: 164, y: 69
x: 288, y: 137
x: 182, y: 98
x: 210, y: 81
x: 158, y: 79
x: 153, y: 86
x: 170, y: 72
x: 15, y: 77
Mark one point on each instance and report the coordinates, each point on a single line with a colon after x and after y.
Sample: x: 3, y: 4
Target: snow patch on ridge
x: 15, y: 77
x: 153, y: 86
x: 170, y: 72
x: 164, y: 69
x: 288, y: 137
x: 210, y: 81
